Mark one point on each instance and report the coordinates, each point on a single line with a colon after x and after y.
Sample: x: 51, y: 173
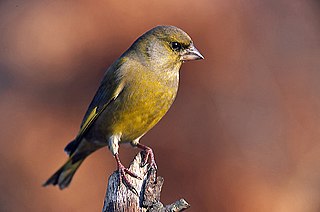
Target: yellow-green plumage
x: 148, y: 97
x: 135, y: 93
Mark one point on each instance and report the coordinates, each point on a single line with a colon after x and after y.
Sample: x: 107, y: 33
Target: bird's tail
x: 64, y: 175
x: 78, y: 150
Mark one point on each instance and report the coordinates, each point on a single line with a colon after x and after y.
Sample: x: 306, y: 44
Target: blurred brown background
x: 243, y: 134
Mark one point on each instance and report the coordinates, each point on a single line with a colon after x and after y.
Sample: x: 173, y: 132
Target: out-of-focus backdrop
x: 243, y: 134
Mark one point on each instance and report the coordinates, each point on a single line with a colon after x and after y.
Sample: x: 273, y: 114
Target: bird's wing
x: 110, y: 88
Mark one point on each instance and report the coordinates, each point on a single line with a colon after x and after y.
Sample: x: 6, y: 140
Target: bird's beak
x: 191, y: 53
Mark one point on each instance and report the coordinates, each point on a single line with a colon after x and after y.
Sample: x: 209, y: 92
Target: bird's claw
x: 123, y: 178
x: 148, y: 154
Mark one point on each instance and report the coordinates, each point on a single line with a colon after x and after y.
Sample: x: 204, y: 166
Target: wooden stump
x: 120, y: 198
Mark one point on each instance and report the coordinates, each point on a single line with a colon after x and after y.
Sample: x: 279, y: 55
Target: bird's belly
x: 133, y: 115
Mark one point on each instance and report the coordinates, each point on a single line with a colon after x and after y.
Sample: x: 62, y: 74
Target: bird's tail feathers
x: 64, y: 175
x: 72, y: 146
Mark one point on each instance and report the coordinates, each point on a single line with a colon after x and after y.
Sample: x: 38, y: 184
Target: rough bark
x: 147, y: 196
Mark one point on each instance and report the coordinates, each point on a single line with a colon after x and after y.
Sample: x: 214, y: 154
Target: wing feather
x: 109, y: 89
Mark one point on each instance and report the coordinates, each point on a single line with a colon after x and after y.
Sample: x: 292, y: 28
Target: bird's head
x: 166, y: 46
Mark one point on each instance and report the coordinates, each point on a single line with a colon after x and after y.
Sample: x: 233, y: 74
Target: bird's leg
x: 148, y: 155
x: 122, y: 177
x: 113, y: 144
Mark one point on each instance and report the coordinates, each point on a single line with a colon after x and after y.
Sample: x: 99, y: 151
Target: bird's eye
x: 176, y: 46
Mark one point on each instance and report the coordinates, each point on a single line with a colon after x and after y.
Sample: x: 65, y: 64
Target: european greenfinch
x: 134, y: 94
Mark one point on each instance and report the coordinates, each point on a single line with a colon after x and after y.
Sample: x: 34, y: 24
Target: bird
x: 136, y: 91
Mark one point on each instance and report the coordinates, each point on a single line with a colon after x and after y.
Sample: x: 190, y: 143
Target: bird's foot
x: 148, y: 154
x: 122, y: 175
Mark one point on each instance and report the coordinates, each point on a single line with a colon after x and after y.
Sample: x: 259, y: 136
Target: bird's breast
x: 141, y: 105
